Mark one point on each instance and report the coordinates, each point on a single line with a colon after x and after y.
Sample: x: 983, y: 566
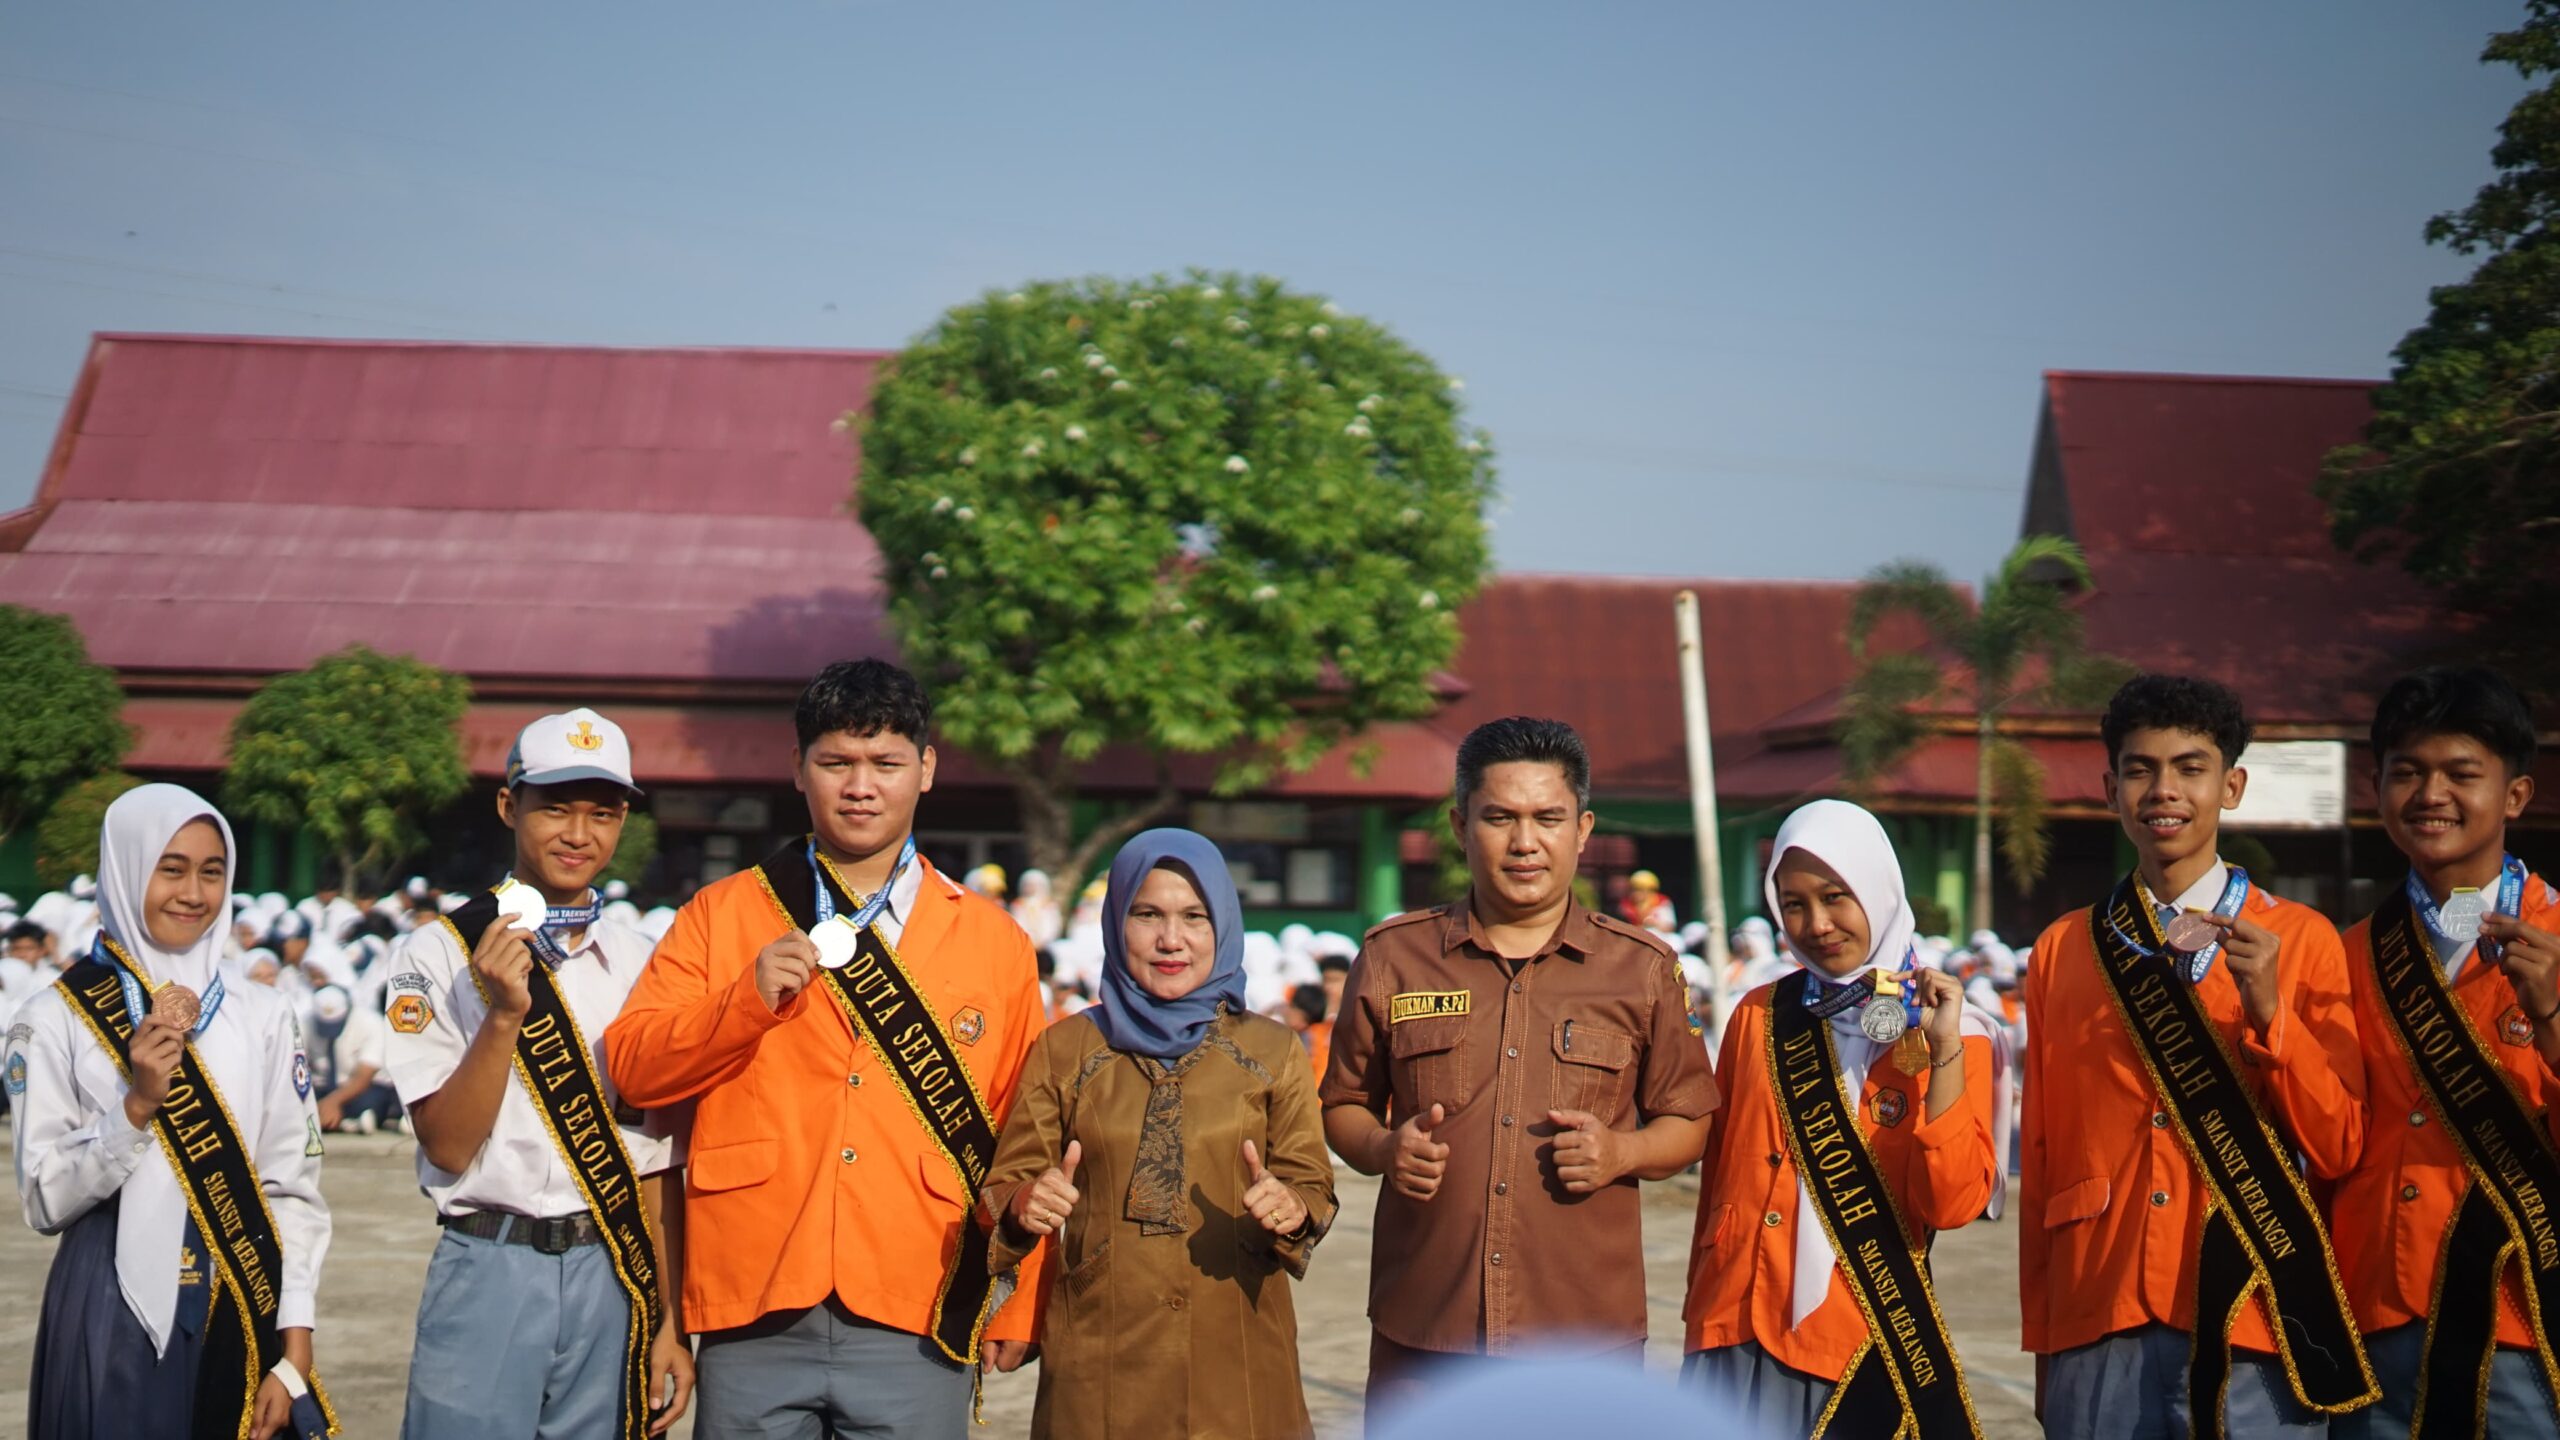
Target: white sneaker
x: 365, y: 1123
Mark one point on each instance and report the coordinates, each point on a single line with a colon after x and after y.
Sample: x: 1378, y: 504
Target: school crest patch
x: 1891, y: 1105
x: 410, y: 1014
x: 968, y: 1025
x: 2514, y: 1028
x: 301, y: 1075
x: 17, y: 1072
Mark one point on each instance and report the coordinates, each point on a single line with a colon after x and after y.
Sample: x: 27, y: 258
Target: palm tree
x: 2021, y: 644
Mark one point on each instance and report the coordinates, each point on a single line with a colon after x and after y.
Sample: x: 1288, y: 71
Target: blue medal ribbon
x: 106, y: 952
x: 2235, y: 893
x: 560, y: 920
x: 879, y: 900
x: 1826, y: 999
x: 2510, y: 901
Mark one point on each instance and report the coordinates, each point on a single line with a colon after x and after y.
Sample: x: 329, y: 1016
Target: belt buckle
x: 553, y: 1233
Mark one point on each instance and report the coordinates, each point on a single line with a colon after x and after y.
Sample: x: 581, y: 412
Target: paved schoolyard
x: 369, y: 1301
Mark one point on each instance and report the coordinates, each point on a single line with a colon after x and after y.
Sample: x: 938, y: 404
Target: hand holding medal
x: 2530, y: 959
x: 2252, y: 951
x: 1941, y: 999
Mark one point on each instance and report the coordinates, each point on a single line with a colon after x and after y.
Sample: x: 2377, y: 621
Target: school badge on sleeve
x: 409, y: 1014
x: 2514, y: 1028
x: 1891, y: 1106
x: 968, y: 1025
x: 17, y: 1073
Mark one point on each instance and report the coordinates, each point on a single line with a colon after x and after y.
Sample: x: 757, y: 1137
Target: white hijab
x: 1853, y: 844
x: 151, y: 1218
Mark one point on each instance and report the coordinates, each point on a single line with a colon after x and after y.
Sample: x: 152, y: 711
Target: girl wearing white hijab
x: 140, y: 1334
x: 1772, y: 1326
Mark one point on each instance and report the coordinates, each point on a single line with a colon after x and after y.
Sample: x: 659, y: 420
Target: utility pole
x: 1702, y: 798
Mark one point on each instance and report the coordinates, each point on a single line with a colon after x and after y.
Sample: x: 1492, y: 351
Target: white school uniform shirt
x: 435, y: 1010
x: 75, y: 1149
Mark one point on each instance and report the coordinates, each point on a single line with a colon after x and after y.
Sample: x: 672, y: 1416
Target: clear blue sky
x: 1739, y: 290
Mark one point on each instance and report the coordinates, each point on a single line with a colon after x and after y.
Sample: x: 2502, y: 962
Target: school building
x: 666, y: 535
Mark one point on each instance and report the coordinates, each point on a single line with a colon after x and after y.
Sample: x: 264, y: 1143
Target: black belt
x: 557, y: 1235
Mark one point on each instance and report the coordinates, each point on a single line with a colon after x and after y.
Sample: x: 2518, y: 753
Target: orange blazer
x: 1742, y: 1255
x: 2397, y: 1204
x: 2110, y: 1209
x: 808, y: 1175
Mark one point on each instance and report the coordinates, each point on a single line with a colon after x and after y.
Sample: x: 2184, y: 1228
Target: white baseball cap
x: 580, y: 745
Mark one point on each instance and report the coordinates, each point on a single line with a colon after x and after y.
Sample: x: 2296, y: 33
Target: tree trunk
x: 1985, y: 732
x: 348, y: 866
x: 1048, y: 801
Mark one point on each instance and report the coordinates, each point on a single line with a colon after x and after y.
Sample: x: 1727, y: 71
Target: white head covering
x: 1854, y: 845
x: 151, y: 1214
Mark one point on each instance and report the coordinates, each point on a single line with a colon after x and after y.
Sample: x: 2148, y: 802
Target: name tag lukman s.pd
x: 1424, y: 1004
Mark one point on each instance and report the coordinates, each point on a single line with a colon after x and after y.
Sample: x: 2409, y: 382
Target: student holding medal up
x: 1857, y: 1122
x: 2190, y: 1034
x: 549, y: 1303
x: 2456, y: 1273
x: 165, y: 1131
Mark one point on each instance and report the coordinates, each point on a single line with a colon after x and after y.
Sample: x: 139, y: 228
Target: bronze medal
x: 2191, y: 932
x: 1911, y: 1053
x: 178, y: 1005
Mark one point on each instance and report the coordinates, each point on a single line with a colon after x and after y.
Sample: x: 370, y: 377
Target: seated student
x: 348, y: 1044
x: 1776, y: 1323
x: 550, y: 1305
x: 142, y: 1332
x: 2453, y: 1273
x: 2190, y: 1033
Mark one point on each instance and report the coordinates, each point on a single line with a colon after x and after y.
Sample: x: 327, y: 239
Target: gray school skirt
x: 96, y: 1376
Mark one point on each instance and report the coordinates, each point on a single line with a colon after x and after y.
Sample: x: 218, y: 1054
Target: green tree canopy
x: 2458, y: 478
x: 1204, y: 515
x: 359, y: 749
x: 61, y: 717
x: 633, y: 852
x: 67, y: 836
x: 2022, y: 643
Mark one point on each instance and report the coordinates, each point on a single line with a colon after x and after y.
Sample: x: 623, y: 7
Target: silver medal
x: 2461, y: 916
x: 522, y: 905
x: 837, y: 941
x: 1882, y: 1020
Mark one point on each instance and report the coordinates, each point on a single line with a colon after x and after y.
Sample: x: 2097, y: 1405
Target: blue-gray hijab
x: 1133, y: 1020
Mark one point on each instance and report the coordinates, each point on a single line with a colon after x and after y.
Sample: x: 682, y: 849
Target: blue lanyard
x: 2510, y: 901
x: 106, y: 953
x: 2235, y: 893
x: 879, y: 900
x: 559, y: 920
x: 1826, y: 1000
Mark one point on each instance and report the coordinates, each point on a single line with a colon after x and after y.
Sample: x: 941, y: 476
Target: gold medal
x: 1911, y: 1053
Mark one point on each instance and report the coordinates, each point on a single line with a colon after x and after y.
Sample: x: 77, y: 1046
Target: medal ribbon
x: 2235, y: 892
x: 2511, y: 878
x: 557, y: 921
x: 1826, y: 1000
x: 107, y: 954
x: 879, y: 900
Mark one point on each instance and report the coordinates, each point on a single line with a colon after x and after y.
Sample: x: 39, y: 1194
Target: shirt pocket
x: 942, y: 1183
x: 1591, y: 1068
x: 731, y: 1167
x: 1431, y: 1064
x: 2072, y: 1204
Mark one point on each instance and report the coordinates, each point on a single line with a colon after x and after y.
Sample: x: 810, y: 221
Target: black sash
x: 1904, y: 1381
x: 227, y: 1201
x: 2515, y: 1181
x: 2260, y: 1227
x: 558, y: 1073
x: 891, y: 1015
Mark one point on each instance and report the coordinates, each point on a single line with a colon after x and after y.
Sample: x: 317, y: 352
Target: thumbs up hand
x: 1040, y: 1207
x: 1418, y: 1161
x: 1586, y: 1151
x: 1267, y: 1200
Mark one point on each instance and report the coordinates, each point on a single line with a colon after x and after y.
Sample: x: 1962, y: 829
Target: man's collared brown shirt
x: 1597, y: 1020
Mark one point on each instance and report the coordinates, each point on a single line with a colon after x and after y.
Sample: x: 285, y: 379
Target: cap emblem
x: 585, y: 737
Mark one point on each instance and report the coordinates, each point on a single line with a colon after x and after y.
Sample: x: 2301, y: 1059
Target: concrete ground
x: 369, y: 1301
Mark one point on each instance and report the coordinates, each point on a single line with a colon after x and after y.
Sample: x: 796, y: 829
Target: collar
x: 2206, y: 892
x: 1577, y: 933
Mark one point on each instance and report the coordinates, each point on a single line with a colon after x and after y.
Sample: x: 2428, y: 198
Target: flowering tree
x: 1206, y: 515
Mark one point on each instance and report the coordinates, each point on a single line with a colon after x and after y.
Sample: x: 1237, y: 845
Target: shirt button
x: 2408, y: 1192
x: 2159, y: 1120
x: 1773, y: 1159
x: 854, y: 1080
x: 1511, y: 1052
x: 847, y: 1153
x: 2159, y: 1198
x: 1506, y: 1119
x: 1516, y: 987
x: 1176, y: 1303
x: 2417, y: 1117
x: 1497, y: 1257
x: 1769, y: 1219
x: 1501, y: 1187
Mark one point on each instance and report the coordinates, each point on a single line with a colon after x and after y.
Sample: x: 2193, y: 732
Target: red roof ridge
x: 2155, y: 377
x: 185, y: 337
x: 1726, y: 582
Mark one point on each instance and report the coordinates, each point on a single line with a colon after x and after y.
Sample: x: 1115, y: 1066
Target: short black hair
x: 1310, y: 1002
x: 1523, y: 738
x: 864, y: 697
x: 1333, y: 964
x: 2176, y: 702
x: 2470, y: 701
x: 28, y: 930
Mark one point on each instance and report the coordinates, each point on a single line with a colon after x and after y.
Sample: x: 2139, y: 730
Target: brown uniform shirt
x: 1598, y: 1020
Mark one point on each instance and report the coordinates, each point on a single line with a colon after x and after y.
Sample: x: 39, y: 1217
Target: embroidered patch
x: 968, y: 1025
x: 1890, y: 1107
x: 411, y: 980
x: 17, y: 1073
x: 585, y: 737
x: 2514, y: 1028
x: 311, y: 1134
x: 1425, y: 1004
x: 410, y: 1013
x: 20, y: 1034
x: 301, y: 1075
